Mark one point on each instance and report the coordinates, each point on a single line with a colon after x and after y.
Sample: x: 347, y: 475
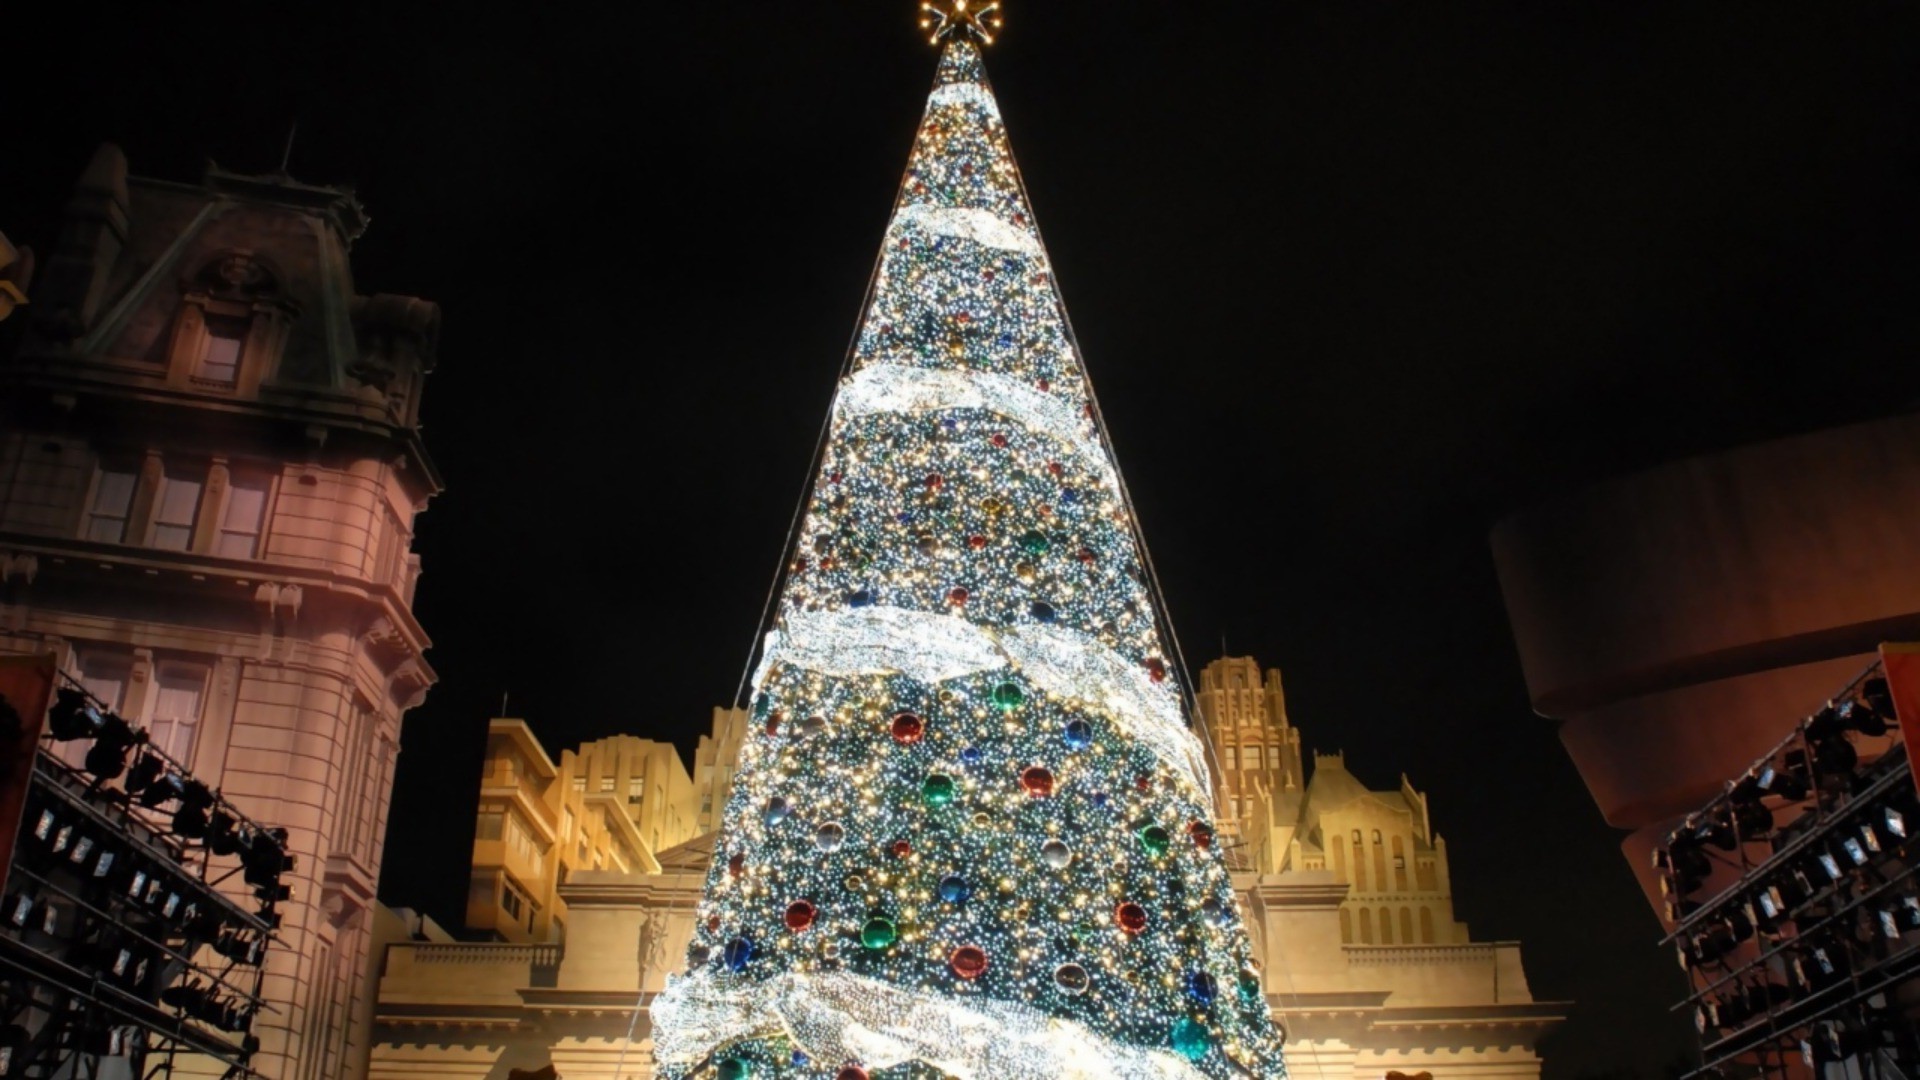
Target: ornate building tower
x: 210, y: 464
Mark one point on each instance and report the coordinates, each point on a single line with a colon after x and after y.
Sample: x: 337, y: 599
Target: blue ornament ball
x: 954, y: 888
x: 738, y: 955
x: 971, y: 756
x: 1202, y: 987
x: 1079, y: 735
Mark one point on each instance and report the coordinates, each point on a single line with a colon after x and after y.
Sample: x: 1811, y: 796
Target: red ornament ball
x: 800, y: 915
x: 1143, y: 782
x: 1131, y: 917
x: 999, y: 440
x: 1037, y: 781
x: 1044, y: 385
x: 900, y: 848
x: 968, y: 961
x: 934, y: 480
x: 736, y: 866
x: 976, y: 541
x: 773, y: 723
x: 1202, y: 834
x: 1056, y: 468
x: 957, y: 596
x: 851, y: 1072
x: 1156, y: 669
x: 713, y: 924
x: 908, y: 728
x: 1086, y: 555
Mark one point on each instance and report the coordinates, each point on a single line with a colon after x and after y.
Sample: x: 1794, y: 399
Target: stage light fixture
x: 72, y: 716
x: 1789, y: 786
x: 163, y: 789
x: 223, y: 835
x: 1896, y: 822
x: 144, y: 772
x: 107, y: 757
x: 190, y: 817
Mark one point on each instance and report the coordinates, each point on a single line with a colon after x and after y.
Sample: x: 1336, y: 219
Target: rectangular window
x: 174, y: 511
x: 1253, y: 757
x: 220, y: 359
x: 489, y: 825
x: 1233, y: 757
x: 105, y: 676
x: 112, y: 500
x: 566, y: 831
x: 635, y: 788
x: 580, y: 784
x: 240, y: 522
x: 606, y: 784
x: 180, y: 690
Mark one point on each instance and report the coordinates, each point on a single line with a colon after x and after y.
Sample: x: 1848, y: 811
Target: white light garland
x: 888, y: 387
x: 966, y: 223
x: 933, y: 648
x: 836, y: 1016
x: 964, y: 93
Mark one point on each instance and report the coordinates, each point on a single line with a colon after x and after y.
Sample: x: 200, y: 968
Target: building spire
x: 948, y: 20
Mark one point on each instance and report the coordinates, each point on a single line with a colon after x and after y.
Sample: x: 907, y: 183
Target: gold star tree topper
x: 944, y: 19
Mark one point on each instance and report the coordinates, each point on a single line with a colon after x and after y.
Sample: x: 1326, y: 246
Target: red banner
x: 26, y: 689
x: 1902, y: 663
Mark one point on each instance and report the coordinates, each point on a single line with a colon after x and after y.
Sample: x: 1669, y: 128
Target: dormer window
x: 220, y: 353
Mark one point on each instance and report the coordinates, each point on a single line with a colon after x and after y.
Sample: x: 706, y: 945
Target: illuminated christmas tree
x: 971, y: 835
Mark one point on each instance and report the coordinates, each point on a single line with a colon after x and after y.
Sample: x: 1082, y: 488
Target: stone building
x: 1345, y: 889
x: 210, y: 465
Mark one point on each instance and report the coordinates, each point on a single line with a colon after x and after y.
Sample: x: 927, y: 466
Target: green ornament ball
x: 734, y: 1069
x: 1008, y: 696
x: 1034, y: 542
x: 1249, y: 990
x: 1155, y: 839
x: 879, y: 933
x: 1190, y: 1039
x: 937, y: 790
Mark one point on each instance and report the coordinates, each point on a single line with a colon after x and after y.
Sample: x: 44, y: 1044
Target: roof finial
x: 946, y: 19
x: 286, y: 155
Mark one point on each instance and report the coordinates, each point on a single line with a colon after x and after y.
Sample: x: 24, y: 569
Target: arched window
x: 1340, y: 860
x: 1366, y: 926
x: 1346, y: 927
x: 1399, y: 865
x: 1376, y: 836
x: 1357, y: 841
x: 1406, y: 925
x: 1386, y: 927
x: 1426, y: 926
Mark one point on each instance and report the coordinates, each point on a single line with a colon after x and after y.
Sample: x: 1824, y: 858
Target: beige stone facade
x: 1345, y: 891
x: 209, y: 473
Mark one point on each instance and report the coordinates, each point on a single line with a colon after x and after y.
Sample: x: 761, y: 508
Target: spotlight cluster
x: 114, y: 928
x: 1793, y: 895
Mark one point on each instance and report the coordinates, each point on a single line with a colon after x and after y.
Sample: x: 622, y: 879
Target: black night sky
x: 1353, y: 280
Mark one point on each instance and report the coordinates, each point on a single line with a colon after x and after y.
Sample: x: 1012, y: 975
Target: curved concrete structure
x: 1680, y: 620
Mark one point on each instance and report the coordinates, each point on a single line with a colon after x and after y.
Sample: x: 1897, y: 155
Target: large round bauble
x: 813, y: 725
x: 698, y: 955
x: 778, y: 810
x: 937, y: 790
x: 734, y: 1069
x: 738, y: 954
x: 1042, y: 611
x: 1249, y: 987
x: 1155, y: 840
x: 1215, y: 912
x: 1202, y: 987
x: 1034, y: 542
x: 907, y: 728
x: 800, y: 915
x: 1037, y: 781
x: 1071, y: 979
x: 954, y: 888
x: 1008, y: 696
x: 1130, y: 917
x: 1056, y: 854
x: 829, y: 837
x: 958, y: 596
x: 736, y: 865
x: 879, y: 933
x: 1078, y: 735
x: 968, y: 961
x: 1201, y: 833
x: 851, y: 1072
x: 900, y: 848
x: 1190, y: 1039
x: 971, y: 756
